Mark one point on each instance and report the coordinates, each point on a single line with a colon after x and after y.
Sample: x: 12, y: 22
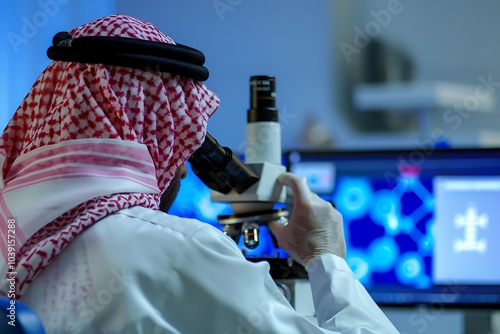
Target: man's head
x: 97, y: 139
x: 167, y: 113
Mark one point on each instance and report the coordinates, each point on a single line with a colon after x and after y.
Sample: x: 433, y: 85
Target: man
x: 84, y: 161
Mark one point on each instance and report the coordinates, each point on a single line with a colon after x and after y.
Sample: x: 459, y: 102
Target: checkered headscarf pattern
x: 71, y: 101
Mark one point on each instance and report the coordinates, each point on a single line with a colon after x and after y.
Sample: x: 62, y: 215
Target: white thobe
x: 143, y: 271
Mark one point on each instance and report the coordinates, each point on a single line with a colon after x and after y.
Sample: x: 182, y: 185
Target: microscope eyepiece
x: 263, y: 137
x: 220, y: 169
x: 262, y: 99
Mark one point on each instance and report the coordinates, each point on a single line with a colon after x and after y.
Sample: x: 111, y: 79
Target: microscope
x: 251, y: 188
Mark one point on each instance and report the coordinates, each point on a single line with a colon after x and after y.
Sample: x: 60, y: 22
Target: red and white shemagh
x: 87, y: 141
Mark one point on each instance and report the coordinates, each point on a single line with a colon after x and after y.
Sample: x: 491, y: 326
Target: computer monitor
x: 422, y: 227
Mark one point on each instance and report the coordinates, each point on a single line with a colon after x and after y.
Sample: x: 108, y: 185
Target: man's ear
x: 183, y: 170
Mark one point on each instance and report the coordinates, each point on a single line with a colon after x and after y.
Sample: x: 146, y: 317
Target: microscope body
x: 261, y: 196
x: 254, y: 204
x: 251, y: 188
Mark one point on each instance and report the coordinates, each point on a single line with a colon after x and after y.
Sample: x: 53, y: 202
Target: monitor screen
x: 420, y: 226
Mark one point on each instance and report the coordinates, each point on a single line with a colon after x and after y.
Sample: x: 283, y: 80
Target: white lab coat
x: 143, y: 271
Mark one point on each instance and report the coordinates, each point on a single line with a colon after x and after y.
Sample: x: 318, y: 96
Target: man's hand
x: 315, y: 226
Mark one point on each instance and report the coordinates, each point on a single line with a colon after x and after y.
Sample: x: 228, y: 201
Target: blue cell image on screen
x: 385, y: 225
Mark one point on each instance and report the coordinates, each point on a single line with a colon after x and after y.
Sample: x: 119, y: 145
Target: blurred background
x: 357, y: 74
x: 349, y: 74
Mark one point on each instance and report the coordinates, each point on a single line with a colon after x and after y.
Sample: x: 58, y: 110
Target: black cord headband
x: 121, y: 51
